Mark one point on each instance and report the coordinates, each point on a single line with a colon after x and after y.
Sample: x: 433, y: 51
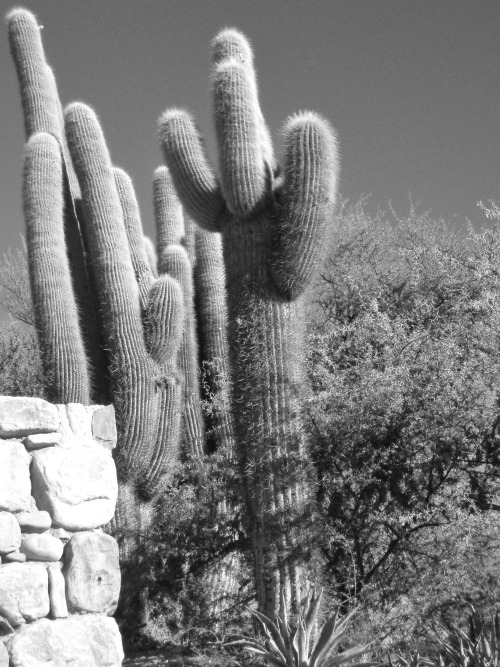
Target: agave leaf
x: 287, y: 638
x: 300, y: 643
x: 311, y: 611
x: 273, y: 632
x: 330, y: 635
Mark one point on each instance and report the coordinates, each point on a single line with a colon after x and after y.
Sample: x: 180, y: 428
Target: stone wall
x: 59, y: 572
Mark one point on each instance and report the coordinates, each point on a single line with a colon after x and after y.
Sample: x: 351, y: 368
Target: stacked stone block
x: 59, y: 572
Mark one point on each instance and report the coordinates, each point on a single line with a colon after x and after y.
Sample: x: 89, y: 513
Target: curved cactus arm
x: 164, y: 326
x: 132, y: 372
x: 231, y: 44
x: 306, y: 203
x: 193, y: 177
x: 150, y: 250
x: 133, y: 227
x: 56, y: 315
x: 164, y: 320
x: 238, y: 123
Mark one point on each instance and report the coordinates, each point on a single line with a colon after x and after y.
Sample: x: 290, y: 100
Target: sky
x: 411, y: 87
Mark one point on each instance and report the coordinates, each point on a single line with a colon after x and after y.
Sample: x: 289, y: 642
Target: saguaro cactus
x: 273, y: 226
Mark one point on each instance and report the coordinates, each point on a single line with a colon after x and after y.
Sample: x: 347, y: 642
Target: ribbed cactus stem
x: 56, y: 315
x: 132, y: 371
x: 164, y: 320
x: 40, y: 103
x: 243, y: 174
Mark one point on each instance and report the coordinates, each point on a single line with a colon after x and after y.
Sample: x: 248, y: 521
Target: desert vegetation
x: 306, y: 393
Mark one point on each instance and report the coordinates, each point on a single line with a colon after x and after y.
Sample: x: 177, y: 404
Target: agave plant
x: 294, y: 646
x: 480, y: 647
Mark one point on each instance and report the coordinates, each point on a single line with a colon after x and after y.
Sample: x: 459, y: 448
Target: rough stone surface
x: 26, y: 416
x: 76, y: 485
x: 15, y: 557
x: 10, y: 533
x: 5, y: 627
x: 24, y: 590
x: 104, y: 426
x: 79, y: 641
x: 57, y: 591
x: 43, y: 546
x: 37, y: 521
x: 41, y: 440
x: 15, y: 484
x: 4, y: 656
x: 92, y: 573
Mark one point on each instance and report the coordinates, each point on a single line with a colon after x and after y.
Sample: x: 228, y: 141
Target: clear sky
x: 412, y: 87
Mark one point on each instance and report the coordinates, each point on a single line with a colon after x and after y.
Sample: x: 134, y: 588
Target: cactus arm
x: 305, y: 204
x: 132, y: 372
x: 238, y: 123
x: 56, y: 315
x: 230, y: 44
x: 169, y: 216
x: 135, y: 237
x: 41, y: 110
x: 193, y: 177
x: 164, y: 327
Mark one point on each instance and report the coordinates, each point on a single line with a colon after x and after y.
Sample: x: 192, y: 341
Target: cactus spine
x: 273, y: 232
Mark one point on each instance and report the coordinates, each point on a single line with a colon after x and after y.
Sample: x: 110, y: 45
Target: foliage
x: 404, y: 412
x: 186, y: 544
x: 286, y: 646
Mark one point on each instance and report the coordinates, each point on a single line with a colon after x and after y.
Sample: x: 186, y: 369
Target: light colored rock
x: 4, y: 656
x: 79, y: 641
x: 15, y: 557
x: 21, y: 416
x: 41, y: 440
x: 9, y: 609
x: 78, y: 420
x: 41, y: 546
x: 15, y: 483
x: 104, y: 426
x: 92, y: 573
x: 10, y: 533
x: 76, y: 485
x: 57, y: 591
x: 37, y: 521
x: 24, y: 590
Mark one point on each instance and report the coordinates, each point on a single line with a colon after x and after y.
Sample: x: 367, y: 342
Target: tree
x: 404, y: 414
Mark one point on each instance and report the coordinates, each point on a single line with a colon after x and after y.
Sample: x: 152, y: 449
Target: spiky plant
x: 273, y: 224
x: 479, y: 647
x: 288, y: 645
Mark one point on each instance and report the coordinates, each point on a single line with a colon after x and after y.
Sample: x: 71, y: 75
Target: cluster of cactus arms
x: 84, y: 229
x: 273, y: 221
x: 118, y: 321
